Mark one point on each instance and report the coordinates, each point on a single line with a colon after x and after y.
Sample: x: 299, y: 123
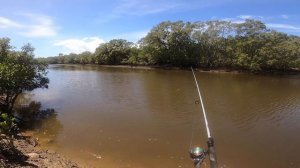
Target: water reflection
x: 251, y: 100
x: 143, y: 118
x: 68, y: 67
x: 43, y: 121
x: 255, y: 112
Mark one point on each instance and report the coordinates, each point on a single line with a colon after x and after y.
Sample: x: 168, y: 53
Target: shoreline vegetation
x: 21, y: 73
x: 212, y: 45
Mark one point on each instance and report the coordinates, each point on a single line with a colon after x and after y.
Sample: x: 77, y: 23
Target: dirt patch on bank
x: 26, y: 153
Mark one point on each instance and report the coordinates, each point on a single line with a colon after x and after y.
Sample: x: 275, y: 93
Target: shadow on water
x: 30, y: 116
x: 33, y: 117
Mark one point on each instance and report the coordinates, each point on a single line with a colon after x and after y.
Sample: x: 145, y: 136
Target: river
x: 110, y: 117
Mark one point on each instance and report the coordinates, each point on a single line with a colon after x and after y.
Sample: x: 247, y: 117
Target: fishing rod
x: 198, y: 154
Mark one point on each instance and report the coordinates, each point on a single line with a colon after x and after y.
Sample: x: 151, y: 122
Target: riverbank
x: 150, y: 67
x: 27, y: 153
x: 216, y: 70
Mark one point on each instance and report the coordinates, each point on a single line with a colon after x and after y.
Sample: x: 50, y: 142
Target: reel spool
x: 197, y: 154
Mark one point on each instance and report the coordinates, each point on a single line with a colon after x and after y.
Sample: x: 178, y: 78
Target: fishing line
x: 202, y: 105
x: 198, y: 154
x: 193, y: 130
x: 193, y: 127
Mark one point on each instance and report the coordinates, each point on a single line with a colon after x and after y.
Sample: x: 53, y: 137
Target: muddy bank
x: 27, y: 153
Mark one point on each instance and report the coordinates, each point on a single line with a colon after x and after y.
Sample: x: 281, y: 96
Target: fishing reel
x: 198, y: 155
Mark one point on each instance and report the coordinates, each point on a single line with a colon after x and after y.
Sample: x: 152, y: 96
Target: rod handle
x: 212, y: 153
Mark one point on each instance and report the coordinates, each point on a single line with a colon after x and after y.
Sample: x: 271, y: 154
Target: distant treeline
x: 249, y: 46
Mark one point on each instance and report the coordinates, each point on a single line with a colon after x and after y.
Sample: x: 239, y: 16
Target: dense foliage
x: 213, y: 44
x: 19, y: 72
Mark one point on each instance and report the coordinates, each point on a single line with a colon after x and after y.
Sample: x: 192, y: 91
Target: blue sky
x: 64, y: 26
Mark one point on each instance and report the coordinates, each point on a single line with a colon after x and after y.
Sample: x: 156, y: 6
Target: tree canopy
x: 116, y: 51
x: 249, y: 46
x: 19, y: 72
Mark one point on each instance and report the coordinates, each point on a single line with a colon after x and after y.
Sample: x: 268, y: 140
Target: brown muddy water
x: 122, y: 117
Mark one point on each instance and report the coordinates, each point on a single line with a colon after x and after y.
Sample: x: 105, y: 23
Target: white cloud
x: 75, y: 45
x: 137, y: 8
x: 144, y: 7
x: 283, y: 26
x: 43, y: 26
x: 140, y: 8
x: 245, y: 16
x: 32, y: 25
x: 284, y: 16
x: 7, y: 23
